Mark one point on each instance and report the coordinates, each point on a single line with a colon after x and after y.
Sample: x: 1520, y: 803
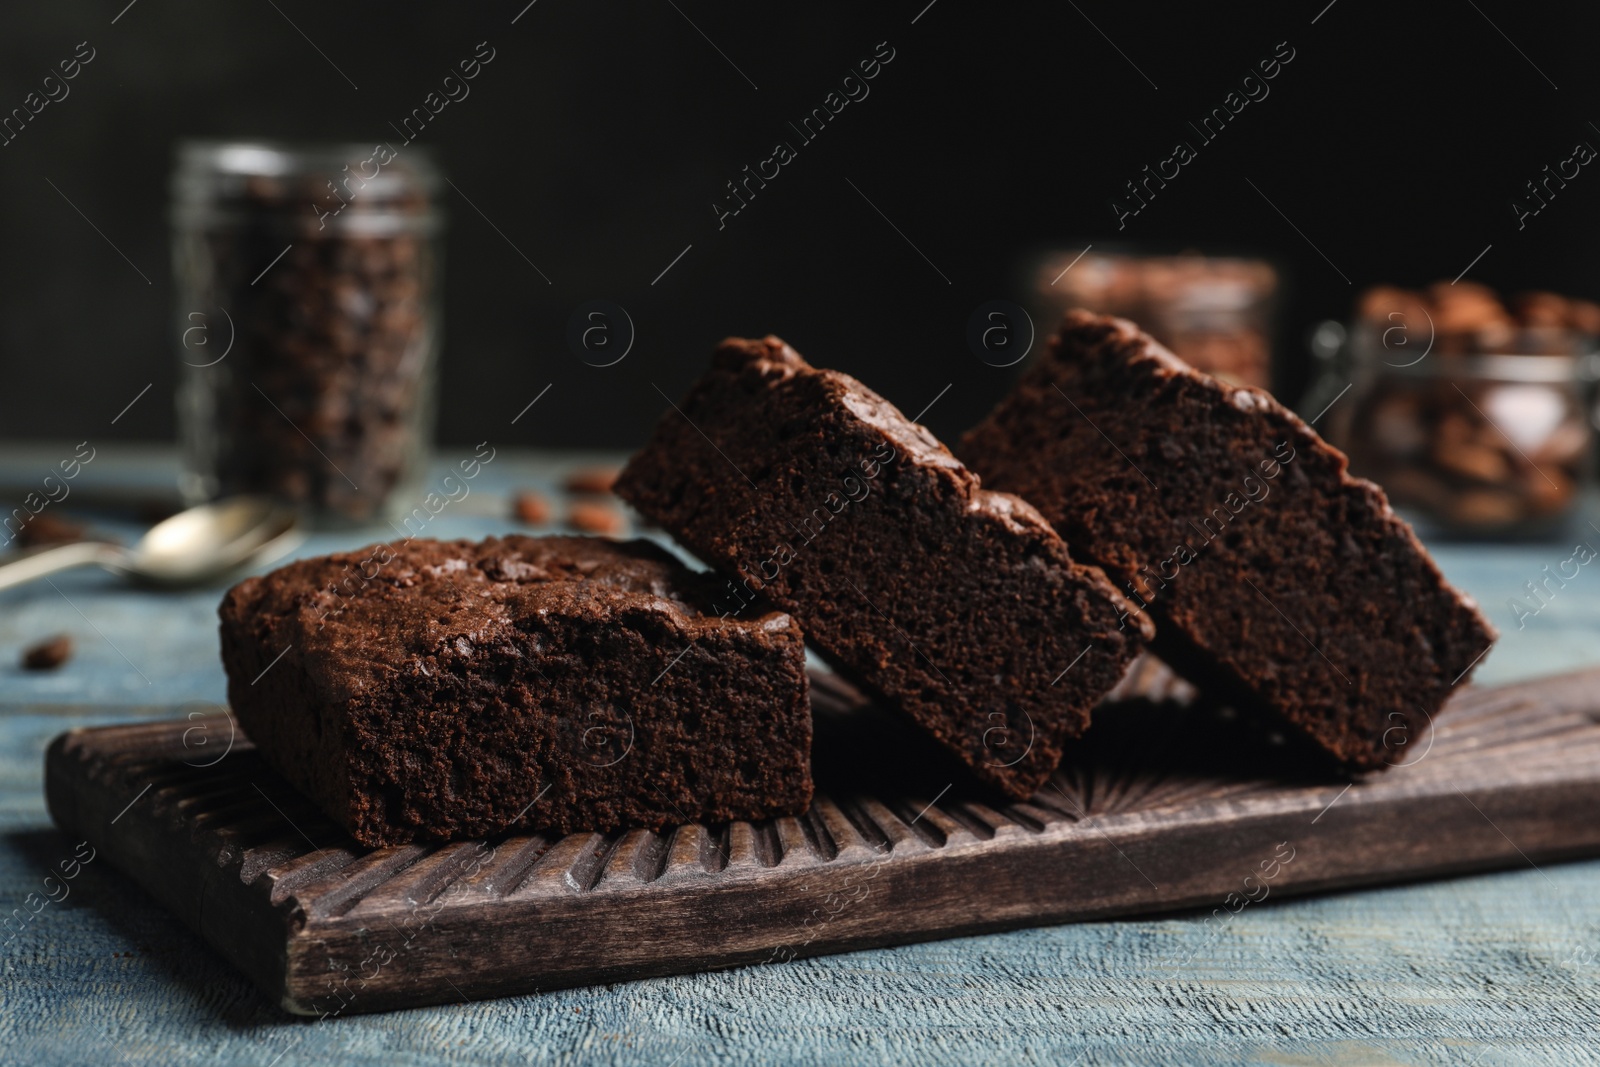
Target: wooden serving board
x: 1151, y: 812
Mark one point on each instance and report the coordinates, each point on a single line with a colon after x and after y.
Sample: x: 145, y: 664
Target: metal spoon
x: 190, y: 548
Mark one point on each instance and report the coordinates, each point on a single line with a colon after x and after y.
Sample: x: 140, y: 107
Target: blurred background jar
x: 307, y: 287
x: 1476, y: 416
x: 1214, y: 312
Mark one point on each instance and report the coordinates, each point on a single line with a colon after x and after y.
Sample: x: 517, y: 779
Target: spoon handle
x: 60, y: 558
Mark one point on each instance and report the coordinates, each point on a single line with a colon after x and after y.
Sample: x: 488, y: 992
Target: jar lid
x: 1502, y: 368
x: 1544, y: 356
x: 310, y: 189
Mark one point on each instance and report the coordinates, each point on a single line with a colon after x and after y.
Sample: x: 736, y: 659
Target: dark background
x: 602, y: 132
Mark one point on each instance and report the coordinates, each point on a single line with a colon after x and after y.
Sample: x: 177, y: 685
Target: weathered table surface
x: 1494, y: 969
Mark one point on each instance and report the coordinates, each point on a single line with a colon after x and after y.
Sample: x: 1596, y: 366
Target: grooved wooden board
x: 1161, y: 807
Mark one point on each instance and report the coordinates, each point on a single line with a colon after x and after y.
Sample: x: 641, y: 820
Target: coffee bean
x: 594, y: 518
x: 47, y: 528
x: 531, y: 508
x: 595, y: 481
x: 48, y: 655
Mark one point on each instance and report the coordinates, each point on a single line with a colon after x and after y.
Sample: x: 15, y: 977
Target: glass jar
x: 1492, y: 445
x: 1213, y: 312
x: 308, y: 323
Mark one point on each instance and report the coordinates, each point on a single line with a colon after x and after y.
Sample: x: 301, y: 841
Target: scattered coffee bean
x: 531, y: 508
x: 594, y: 518
x: 595, y: 481
x: 47, y: 528
x: 48, y: 655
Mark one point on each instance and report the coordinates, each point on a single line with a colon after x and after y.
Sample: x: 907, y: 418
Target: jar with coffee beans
x: 1474, y: 415
x: 307, y: 322
x: 1216, y: 313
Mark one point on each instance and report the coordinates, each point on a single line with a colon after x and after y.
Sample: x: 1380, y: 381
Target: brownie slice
x: 959, y: 606
x: 445, y: 689
x: 1274, y: 578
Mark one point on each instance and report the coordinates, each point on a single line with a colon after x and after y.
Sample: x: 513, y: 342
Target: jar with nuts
x: 1473, y: 415
x: 307, y: 320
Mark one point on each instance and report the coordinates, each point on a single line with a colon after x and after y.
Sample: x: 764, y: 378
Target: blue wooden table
x: 1496, y: 969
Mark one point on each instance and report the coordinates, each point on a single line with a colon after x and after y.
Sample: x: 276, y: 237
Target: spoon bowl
x: 212, y: 539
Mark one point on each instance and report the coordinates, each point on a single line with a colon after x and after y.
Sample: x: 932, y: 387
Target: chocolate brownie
x: 958, y: 606
x: 442, y: 689
x: 1274, y: 577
